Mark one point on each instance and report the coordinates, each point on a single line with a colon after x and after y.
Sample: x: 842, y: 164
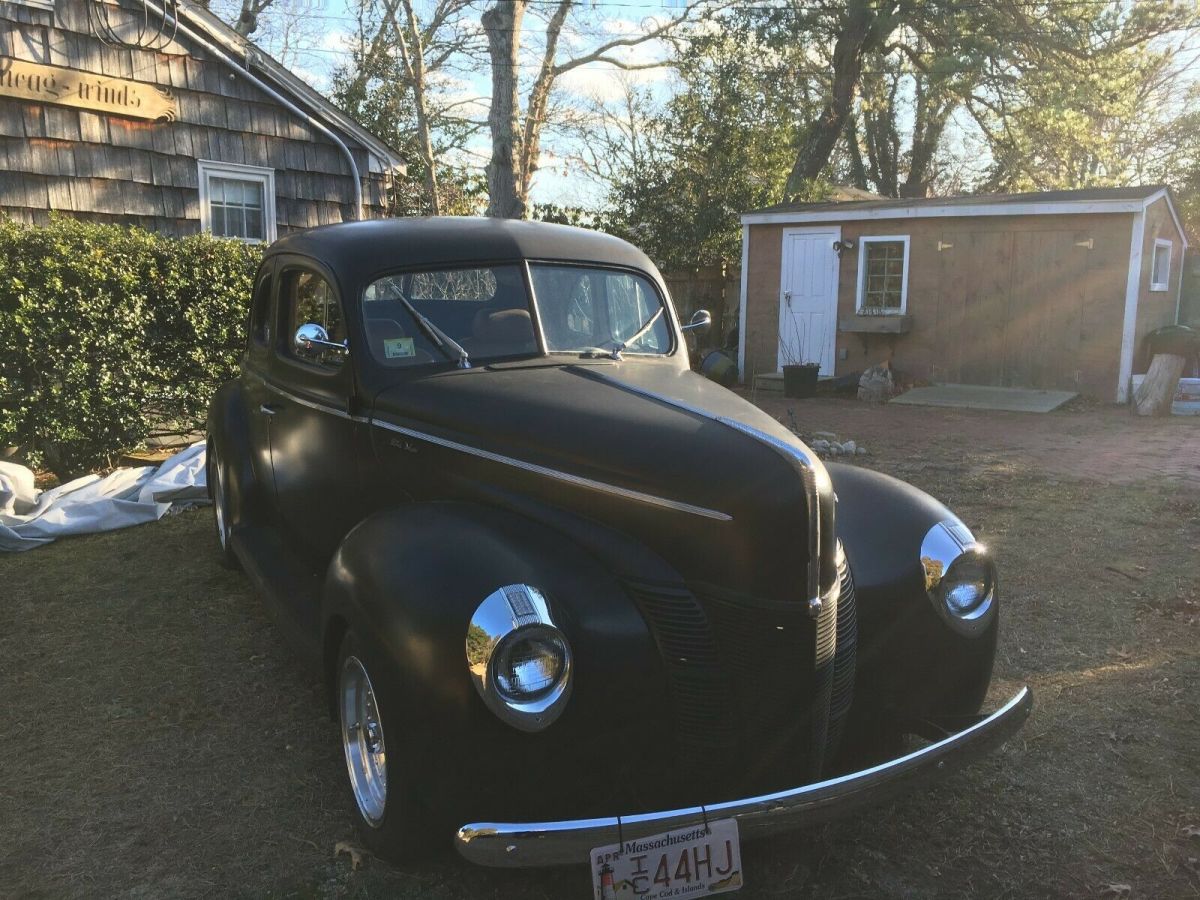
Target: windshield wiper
x: 620, y: 346
x: 448, y: 345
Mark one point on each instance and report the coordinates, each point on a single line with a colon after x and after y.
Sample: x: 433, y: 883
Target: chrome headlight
x: 519, y: 660
x: 960, y: 577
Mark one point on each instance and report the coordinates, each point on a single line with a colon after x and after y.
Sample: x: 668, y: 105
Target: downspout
x: 276, y: 96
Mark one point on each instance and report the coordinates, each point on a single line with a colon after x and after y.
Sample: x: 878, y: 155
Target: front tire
x: 391, y: 819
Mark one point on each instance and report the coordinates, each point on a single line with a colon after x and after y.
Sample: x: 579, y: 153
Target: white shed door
x: 808, y: 297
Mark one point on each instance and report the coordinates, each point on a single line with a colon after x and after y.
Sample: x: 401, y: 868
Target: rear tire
x: 394, y: 824
x: 222, y: 511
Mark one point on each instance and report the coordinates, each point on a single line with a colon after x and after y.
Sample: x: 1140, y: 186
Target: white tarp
x: 86, y: 505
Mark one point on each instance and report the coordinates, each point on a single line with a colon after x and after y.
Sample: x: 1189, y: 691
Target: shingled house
x: 154, y: 113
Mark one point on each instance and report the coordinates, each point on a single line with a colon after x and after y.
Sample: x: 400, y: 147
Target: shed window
x: 1160, y: 265
x: 883, y: 275
x: 237, y: 201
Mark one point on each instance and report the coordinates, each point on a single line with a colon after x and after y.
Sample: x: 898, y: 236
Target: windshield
x: 485, y: 310
x: 587, y: 309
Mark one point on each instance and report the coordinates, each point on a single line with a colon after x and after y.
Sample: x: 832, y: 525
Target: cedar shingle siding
x: 122, y: 170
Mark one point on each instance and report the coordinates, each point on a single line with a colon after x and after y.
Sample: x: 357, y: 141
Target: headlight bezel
x: 947, y: 550
x: 509, y: 615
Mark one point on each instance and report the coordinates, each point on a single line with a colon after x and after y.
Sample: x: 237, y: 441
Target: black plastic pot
x: 800, y: 381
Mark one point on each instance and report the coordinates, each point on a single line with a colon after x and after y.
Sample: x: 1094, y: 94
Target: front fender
x: 408, y: 581
x: 911, y: 665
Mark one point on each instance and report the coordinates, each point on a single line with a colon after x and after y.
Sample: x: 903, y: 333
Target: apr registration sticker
x: 697, y: 861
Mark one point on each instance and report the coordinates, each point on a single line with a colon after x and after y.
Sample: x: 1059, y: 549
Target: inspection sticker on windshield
x: 697, y: 861
x: 398, y: 348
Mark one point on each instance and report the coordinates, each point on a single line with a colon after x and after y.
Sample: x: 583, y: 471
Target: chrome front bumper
x: 515, y: 845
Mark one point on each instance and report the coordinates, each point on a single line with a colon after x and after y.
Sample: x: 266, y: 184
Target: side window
x: 307, y: 297
x: 260, y: 311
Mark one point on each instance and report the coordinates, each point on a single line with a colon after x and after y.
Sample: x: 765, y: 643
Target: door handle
x: 267, y: 410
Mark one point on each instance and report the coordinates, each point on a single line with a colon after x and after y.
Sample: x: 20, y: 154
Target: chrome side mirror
x: 311, y: 339
x: 701, y: 322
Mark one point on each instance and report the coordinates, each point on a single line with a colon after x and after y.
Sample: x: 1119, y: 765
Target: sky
x: 319, y: 33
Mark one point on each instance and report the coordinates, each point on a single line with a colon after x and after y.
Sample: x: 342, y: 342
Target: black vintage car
x: 567, y: 593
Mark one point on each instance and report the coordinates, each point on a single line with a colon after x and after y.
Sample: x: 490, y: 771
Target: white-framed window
x: 882, y: 275
x: 237, y: 201
x: 1160, y: 265
x: 47, y: 5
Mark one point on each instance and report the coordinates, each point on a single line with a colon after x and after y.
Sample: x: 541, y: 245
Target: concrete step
x: 769, y: 382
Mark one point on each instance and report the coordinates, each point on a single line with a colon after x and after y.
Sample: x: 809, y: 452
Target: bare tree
x: 516, y: 139
x: 396, y: 81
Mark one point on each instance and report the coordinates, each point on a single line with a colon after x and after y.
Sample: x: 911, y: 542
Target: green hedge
x: 107, y: 331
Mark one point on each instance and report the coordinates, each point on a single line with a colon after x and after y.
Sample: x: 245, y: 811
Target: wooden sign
x: 85, y: 90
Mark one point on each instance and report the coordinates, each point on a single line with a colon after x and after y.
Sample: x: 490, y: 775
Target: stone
x: 862, y: 451
x: 849, y: 448
x: 876, y: 384
x: 825, y: 435
x: 821, y: 446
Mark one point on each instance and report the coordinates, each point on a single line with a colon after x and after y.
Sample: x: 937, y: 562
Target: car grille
x: 764, y: 689
x: 844, y: 660
x: 700, y: 697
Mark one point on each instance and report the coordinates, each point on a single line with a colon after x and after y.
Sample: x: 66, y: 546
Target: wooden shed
x: 1044, y: 290
x: 155, y: 113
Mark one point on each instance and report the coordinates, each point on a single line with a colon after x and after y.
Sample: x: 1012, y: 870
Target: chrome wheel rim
x: 362, y: 741
x: 219, y: 502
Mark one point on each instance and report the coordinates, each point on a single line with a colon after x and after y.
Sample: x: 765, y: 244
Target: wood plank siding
x: 120, y: 170
x: 1013, y: 300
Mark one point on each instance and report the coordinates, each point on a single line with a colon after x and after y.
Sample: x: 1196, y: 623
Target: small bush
x: 106, y: 330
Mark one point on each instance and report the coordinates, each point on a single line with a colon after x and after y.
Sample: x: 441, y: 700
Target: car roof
x: 356, y: 249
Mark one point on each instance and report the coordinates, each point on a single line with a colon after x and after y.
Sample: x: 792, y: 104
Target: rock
x: 862, y: 451
x: 849, y: 448
x: 821, y: 446
x: 835, y: 449
x: 825, y: 435
x: 876, y: 384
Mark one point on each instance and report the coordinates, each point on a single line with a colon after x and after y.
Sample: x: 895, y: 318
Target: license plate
x: 697, y: 861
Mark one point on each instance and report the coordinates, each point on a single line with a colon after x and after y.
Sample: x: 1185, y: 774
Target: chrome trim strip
x: 795, y: 454
x: 566, y: 477
x: 304, y: 401
x: 515, y: 845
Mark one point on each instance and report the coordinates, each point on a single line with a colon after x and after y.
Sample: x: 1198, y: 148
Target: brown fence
x: 714, y: 288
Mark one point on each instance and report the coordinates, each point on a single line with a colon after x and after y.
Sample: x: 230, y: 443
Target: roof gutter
x: 1027, y: 208
x: 274, y: 95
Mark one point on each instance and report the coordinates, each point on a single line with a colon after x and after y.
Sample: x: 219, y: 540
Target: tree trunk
x: 1153, y: 397
x: 414, y: 63
x: 539, y: 99
x: 822, y: 133
x: 502, y: 25
x: 858, y: 171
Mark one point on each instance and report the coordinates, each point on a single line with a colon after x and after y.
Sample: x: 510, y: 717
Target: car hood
x: 648, y: 431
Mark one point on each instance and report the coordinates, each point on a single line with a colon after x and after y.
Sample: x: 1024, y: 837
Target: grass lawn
x: 157, y: 740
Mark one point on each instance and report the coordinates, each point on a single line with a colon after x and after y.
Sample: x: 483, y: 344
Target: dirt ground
x: 157, y: 740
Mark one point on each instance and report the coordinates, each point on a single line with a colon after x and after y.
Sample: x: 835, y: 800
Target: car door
x: 314, y: 436
x: 255, y: 370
